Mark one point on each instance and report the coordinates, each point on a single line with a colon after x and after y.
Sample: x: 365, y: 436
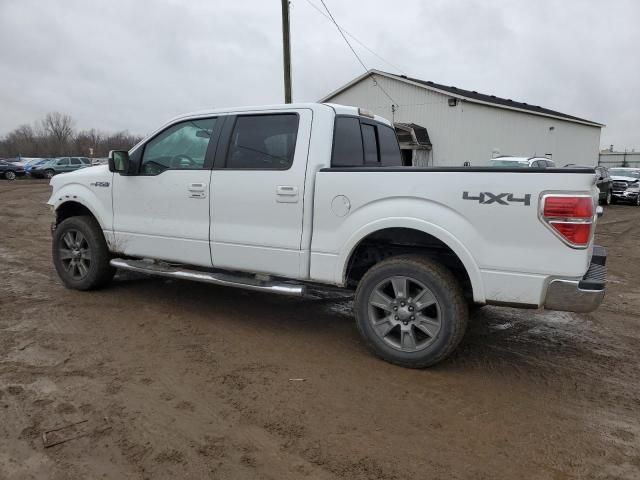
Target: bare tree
x: 60, y: 127
x: 22, y: 139
x: 54, y: 136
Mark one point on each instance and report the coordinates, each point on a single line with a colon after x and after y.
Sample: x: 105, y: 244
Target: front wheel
x: 49, y: 174
x: 80, y: 254
x: 10, y: 175
x: 411, y: 311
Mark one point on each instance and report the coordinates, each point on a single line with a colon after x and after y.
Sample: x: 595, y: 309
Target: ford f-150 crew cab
x: 283, y: 198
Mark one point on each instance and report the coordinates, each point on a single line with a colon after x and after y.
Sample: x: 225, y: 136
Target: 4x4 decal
x: 487, y: 198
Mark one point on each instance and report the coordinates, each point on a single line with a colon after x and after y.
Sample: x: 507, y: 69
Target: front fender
x: 98, y: 203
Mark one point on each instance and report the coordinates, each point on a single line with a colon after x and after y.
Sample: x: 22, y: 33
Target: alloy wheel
x: 75, y: 254
x: 10, y: 176
x: 404, y: 313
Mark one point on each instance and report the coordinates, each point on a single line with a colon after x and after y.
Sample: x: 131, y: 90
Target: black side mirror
x: 119, y: 161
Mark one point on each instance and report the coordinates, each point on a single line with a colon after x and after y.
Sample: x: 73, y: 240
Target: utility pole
x: 286, y: 48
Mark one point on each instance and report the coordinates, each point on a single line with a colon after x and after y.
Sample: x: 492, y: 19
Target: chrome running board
x: 217, y: 278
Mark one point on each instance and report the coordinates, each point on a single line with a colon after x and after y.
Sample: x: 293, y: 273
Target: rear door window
x: 263, y: 142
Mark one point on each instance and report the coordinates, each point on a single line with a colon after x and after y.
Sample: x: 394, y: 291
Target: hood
x: 624, y: 178
x: 36, y: 166
x: 86, y: 175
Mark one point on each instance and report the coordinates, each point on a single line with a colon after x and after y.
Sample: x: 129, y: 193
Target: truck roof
x: 338, y: 109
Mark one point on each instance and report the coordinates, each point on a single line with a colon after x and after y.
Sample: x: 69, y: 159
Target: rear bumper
x: 583, y: 295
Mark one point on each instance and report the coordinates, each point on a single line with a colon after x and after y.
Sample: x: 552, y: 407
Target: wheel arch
x: 73, y: 208
x: 397, y: 236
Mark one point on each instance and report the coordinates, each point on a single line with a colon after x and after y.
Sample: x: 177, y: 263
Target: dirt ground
x: 184, y: 380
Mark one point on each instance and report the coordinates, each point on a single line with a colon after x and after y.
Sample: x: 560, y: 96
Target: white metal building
x: 467, y: 126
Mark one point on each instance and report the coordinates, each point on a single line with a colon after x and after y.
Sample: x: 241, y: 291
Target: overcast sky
x: 124, y: 64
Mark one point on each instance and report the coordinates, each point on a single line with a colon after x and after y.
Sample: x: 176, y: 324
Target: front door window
x: 182, y: 146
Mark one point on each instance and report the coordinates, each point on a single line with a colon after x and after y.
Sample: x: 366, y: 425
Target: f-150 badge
x: 99, y: 184
x: 487, y: 198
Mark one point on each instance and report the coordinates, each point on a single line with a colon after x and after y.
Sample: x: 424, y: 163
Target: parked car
x: 626, y: 185
x: 282, y: 198
x: 59, y: 165
x: 10, y: 170
x: 15, y: 161
x: 26, y: 161
x: 34, y: 163
x: 603, y: 181
x: 522, y: 162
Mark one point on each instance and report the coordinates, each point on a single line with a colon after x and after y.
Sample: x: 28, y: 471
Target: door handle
x: 286, y: 194
x: 286, y: 190
x: 197, y: 190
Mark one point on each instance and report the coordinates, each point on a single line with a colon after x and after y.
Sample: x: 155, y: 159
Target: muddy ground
x: 183, y: 380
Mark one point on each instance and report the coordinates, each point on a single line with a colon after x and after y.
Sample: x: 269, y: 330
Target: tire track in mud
x: 195, y: 380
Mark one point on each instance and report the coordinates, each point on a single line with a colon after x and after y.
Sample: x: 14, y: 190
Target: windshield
x: 509, y: 163
x: 621, y: 172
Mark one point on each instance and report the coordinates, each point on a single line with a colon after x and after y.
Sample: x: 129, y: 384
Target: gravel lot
x: 183, y: 380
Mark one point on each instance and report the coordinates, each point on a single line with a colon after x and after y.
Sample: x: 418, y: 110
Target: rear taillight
x: 570, y: 217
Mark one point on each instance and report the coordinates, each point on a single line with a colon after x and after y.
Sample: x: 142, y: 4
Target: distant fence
x: 615, y: 159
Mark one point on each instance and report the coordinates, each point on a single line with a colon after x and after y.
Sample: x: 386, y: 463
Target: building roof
x: 471, y: 96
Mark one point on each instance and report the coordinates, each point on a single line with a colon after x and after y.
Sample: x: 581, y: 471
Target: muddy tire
x: 80, y: 254
x: 411, y: 311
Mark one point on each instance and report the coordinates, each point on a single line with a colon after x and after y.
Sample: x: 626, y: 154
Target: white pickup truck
x: 283, y: 198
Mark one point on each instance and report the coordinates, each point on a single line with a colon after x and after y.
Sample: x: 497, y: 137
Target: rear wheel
x: 9, y: 175
x: 80, y: 254
x: 49, y: 173
x: 411, y: 311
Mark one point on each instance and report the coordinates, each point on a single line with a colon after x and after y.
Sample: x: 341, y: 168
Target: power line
x: 358, y: 57
x: 353, y: 37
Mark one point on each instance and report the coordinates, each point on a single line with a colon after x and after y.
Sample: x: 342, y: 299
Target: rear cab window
x: 359, y: 142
